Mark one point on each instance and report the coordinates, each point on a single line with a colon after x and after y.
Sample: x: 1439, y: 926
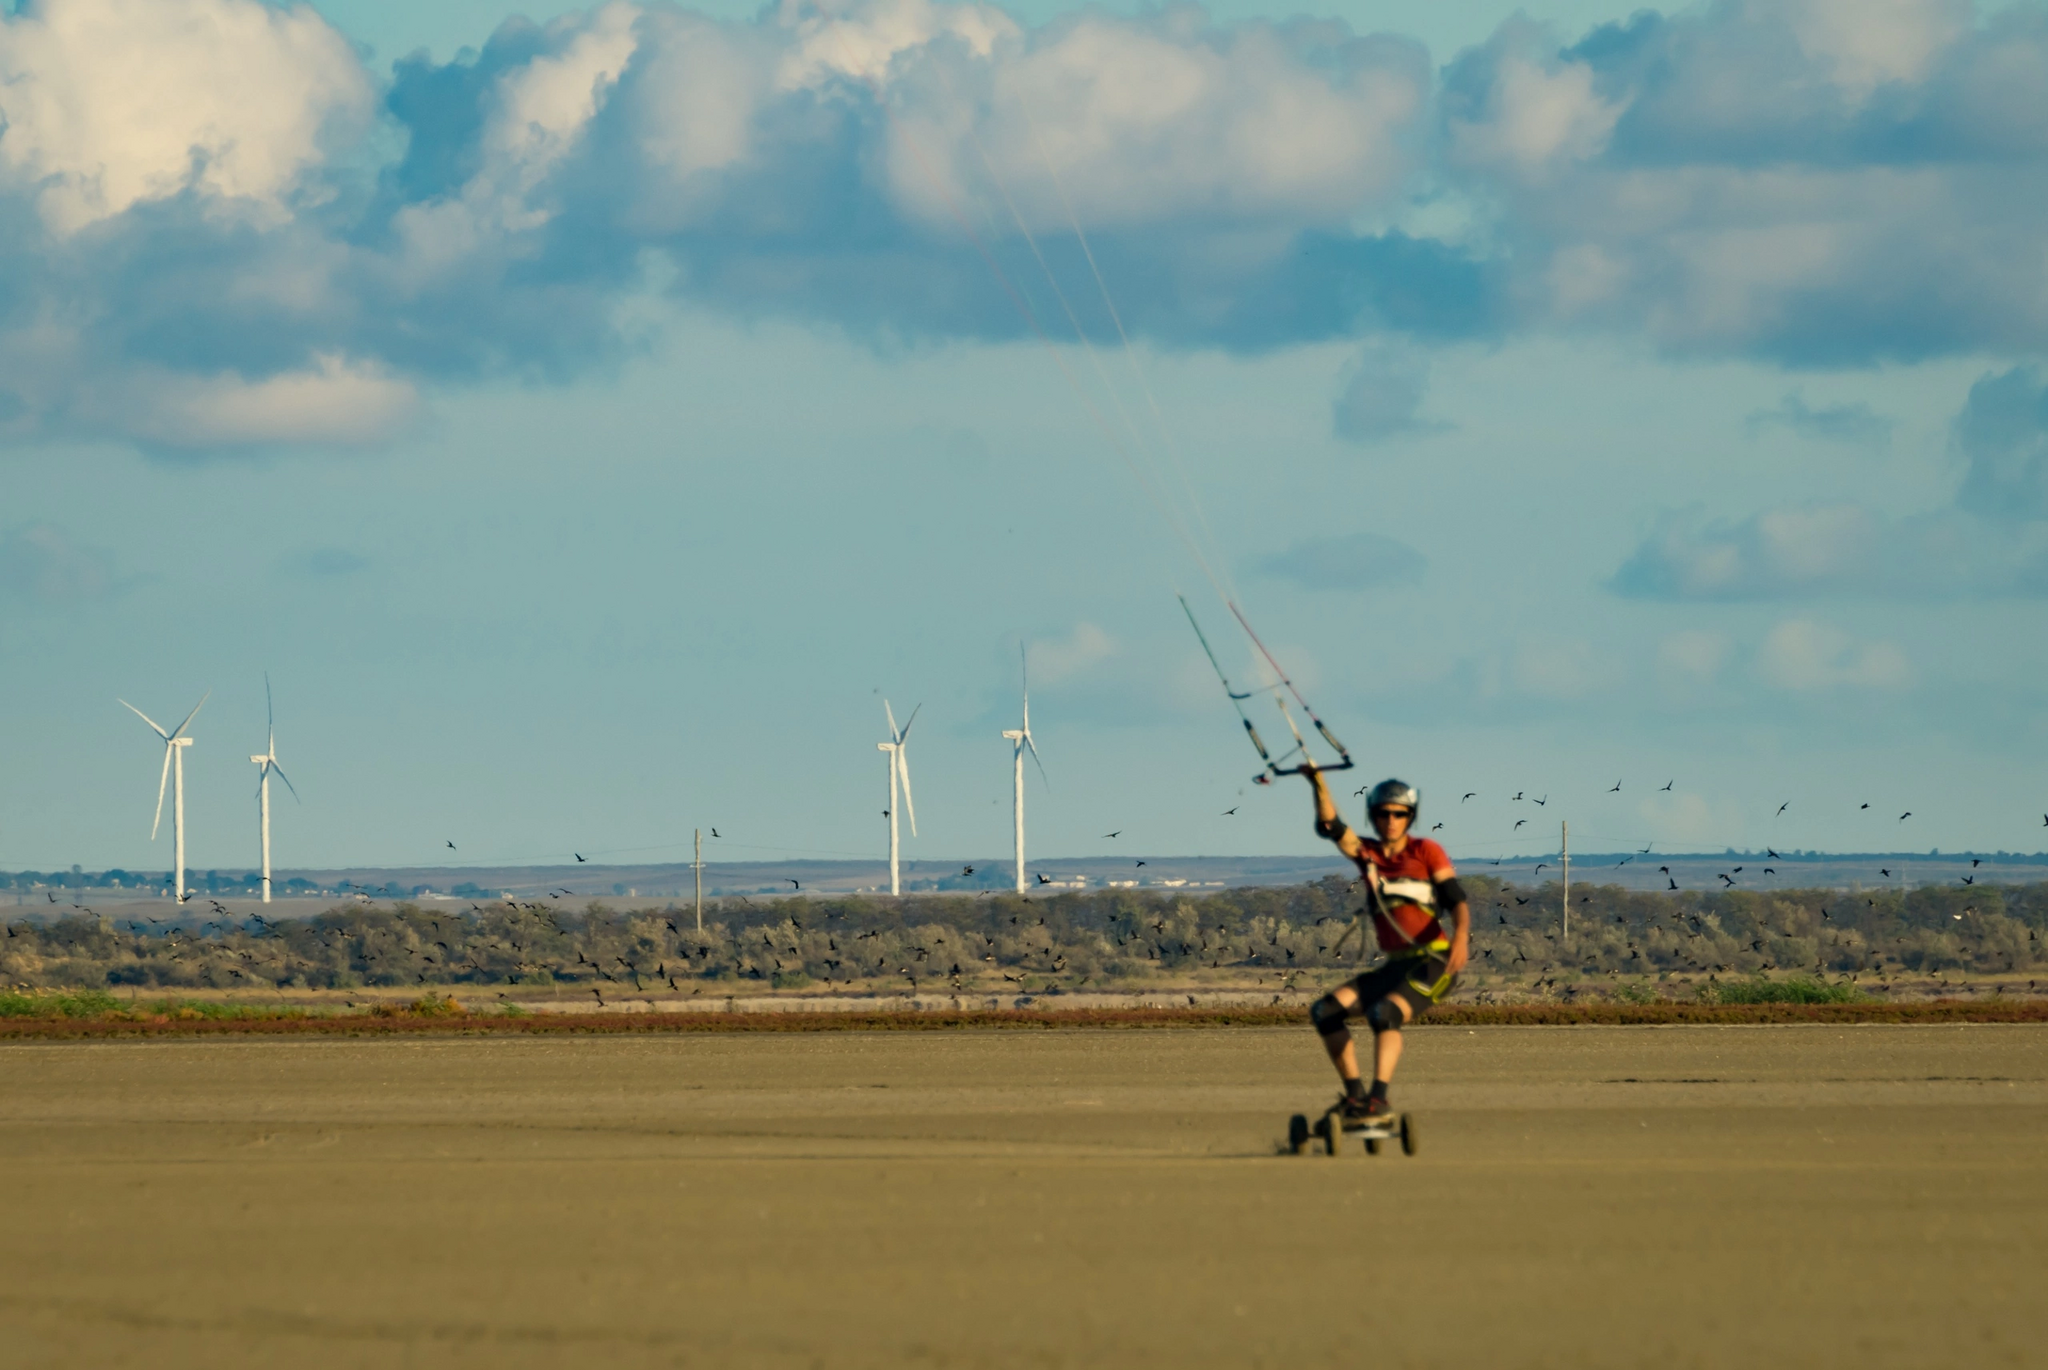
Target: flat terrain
x: 1732, y: 1196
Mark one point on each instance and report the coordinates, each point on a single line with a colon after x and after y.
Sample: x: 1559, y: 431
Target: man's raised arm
x: 1328, y: 824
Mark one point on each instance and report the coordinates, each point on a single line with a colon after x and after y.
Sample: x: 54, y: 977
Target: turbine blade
x: 1034, y: 756
x: 904, y: 736
x: 269, y: 713
x: 162, y: 781
x: 146, y: 719
x: 1024, y: 674
x: 286, y: 779
x: 179, y: 730
x: 895, y: 734
x: 903, y: 773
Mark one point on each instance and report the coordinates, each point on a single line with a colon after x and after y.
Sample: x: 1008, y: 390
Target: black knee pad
x: 1385, y: 1016
x: 1328, y: 1015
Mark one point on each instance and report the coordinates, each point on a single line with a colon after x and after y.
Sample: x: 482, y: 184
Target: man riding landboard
x: 1408, y: 881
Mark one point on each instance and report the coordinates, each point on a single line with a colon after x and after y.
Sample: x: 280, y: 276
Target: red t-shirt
x: 1407, y: 920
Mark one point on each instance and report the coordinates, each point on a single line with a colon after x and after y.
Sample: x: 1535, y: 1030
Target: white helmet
x: 1396, y: 792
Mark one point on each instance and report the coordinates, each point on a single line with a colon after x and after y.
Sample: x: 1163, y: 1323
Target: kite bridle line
x: 1150, y: 482
x: 1237, y: 698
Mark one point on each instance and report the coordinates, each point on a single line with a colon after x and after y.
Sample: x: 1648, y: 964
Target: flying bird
x: 1616, y: 789
x: 1473, y: 795
x: 451, y: 846
x: 1665, y: 788
x: 1140, y: 864
x: 1226, y: 813
x: 1519, y: 822
x: 1906, y: 815
x: 1118, y: 833
x: 714, y: 832
x: 1043, y: 878
x: 797, y: 883
x: 1782, y: 807
x: 579, y: 856
x: 1862, y: 807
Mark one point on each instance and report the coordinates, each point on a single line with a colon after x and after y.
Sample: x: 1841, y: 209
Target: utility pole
x: 699, y: 863
x: 1565, y: 850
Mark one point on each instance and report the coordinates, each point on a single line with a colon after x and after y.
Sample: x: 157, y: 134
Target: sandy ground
x: 1870, y: 1196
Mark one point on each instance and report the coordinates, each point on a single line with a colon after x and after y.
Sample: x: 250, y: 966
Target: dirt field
x: 1866, y: 1196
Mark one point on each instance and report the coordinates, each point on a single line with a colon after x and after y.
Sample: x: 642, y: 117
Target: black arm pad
x: 1449, y: 893
x: 1334, y: 829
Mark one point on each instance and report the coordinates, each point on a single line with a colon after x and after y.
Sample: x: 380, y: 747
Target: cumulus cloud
x: 208, y: 201
x: 1063, y: 658
x: 1833, y: 550
x: 220, y: 193
x: 110, y: 103
x: 1803, y: 655
x: 1692, y: 659
x: 1810, y: 180
x: 1355, y: 561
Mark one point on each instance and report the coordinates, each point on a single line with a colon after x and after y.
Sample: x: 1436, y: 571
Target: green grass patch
x: 1799, y: 989
x: 61, y: 1003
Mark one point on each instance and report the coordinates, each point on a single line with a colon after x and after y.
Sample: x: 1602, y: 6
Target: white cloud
x: 861, y: 40
x: 109, y: 103
x: 334, y: 401
x: 1692, y: 658
x: 1065, y: 658
x: 1684, y: 821
x: 1539, y: 112
x: 1803, y: 655
x: 1863, y: 43
x: 1139, y: 121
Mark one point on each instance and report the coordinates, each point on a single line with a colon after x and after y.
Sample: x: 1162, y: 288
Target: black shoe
x: 1368, y: 1109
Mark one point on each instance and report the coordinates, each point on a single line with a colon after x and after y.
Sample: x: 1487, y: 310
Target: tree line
x: 1279, y: 937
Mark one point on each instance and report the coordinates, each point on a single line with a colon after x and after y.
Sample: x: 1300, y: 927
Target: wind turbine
x: 1021, y: 738
x: 899, y: 767
x: 175, y: 743
x: 268, y: 761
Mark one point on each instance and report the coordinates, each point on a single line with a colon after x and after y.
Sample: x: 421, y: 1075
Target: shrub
x: 1800, y: 989
x: 82, y: 1003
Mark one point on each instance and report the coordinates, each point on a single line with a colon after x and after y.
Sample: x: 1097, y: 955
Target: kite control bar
x: 1237, y: 697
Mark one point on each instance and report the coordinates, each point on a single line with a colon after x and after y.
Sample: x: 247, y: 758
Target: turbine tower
x: 899, y: 768
x: 175, y: 743
x: 1020, y: 738
x: 268, y: 761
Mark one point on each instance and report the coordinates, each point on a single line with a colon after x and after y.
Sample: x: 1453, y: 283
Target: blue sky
x: 587, y: 422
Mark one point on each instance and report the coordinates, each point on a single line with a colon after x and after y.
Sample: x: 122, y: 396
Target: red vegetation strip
x: 1474, y: 1015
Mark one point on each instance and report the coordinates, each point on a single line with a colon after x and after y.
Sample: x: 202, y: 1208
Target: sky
x: 587, y: 418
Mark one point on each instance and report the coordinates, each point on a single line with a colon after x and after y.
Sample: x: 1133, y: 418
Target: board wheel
x: 1372, y: 1146
x: 1408, y: 1134
x: 1333, y: 1140
x: 1297, y: 1134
